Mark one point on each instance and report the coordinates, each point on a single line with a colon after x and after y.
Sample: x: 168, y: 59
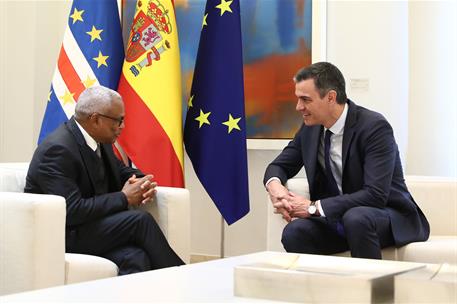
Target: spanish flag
x: 150, y: 85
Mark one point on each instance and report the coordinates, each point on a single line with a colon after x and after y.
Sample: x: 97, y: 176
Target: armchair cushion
x: 12, y: 176
x: 85, y: 267
x: 437, y: 249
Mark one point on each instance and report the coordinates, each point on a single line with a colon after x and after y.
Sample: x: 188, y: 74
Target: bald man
x: 77, y: 162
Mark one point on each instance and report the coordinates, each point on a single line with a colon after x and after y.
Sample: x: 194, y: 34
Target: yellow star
x: 225, y: 6
x: 49, y: 96
x: 88, y: 82
x: 77, y: 15
x: 67, y: 98
x: 232, y: 123
x: 189, y: 103
x: 203, y: 118
x: 94, y: 34
x: 101, y: 60
x: 204, y: 20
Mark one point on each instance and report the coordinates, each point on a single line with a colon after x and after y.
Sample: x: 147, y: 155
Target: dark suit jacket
x: 372, y: 172
x: 63, y: 164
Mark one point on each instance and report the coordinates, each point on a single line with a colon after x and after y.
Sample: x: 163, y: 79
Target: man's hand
x: 279, y: 196
x: 139, y: 190
x: 299, y: 206
x: 148, y: 186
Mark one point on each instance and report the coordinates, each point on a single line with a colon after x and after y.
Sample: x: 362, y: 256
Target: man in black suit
x: 358, y: 197
x: 77, y: 162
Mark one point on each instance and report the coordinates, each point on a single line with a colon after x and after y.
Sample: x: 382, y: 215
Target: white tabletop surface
x: 211, y: 281
x: 202, y: 282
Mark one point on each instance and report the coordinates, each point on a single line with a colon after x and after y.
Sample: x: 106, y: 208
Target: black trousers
x: 366, y: 231
x: 131, y: 239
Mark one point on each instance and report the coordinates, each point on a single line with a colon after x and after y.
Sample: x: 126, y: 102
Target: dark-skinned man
x: 77, y: 162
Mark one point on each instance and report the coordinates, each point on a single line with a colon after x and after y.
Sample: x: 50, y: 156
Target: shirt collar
x: 92, y: 143
x: 338, y: 126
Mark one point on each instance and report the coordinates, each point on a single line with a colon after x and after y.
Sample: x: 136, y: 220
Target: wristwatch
x: 312, y: 209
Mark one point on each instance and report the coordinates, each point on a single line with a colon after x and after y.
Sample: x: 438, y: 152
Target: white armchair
x: 32, y: 235
x: 437, y: 198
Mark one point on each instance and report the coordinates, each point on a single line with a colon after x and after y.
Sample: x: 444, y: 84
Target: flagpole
x: 222, y: 253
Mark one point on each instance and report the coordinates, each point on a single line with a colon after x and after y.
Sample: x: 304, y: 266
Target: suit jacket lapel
x: 349, y: 130
x: 88, y: 156
x: 310, y: 147
x: 112, y: 175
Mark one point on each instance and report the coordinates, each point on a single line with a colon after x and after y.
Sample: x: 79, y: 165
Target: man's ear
x: 94, y: 119
x: 331, y: 95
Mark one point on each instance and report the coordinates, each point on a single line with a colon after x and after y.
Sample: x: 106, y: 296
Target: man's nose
x: 300, y: 106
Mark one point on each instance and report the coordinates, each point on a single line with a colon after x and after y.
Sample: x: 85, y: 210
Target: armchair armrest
x: 171, y: 210
x: 32, y: 241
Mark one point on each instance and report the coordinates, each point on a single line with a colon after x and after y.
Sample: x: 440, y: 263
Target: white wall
x: 3, y: 22
x: 368, y: 40
x: 397, y: 46
x: 30, y: 37
x: 432, y: 148
x: 18, y: 79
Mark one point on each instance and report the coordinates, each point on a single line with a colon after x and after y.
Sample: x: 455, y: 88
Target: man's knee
x: 130, y: 259
x: 140, y: 216
x: 358, y: 220
x: 137, y: 260
x: 294, y: 235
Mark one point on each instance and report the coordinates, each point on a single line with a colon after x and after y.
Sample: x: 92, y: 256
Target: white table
x: 202, y: 282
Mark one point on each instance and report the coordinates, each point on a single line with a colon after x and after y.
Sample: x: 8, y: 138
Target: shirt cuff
x: 319, y: 207
x: 272, y: 179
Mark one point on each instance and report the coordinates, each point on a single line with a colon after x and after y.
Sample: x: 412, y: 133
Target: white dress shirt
x: 336, y: 148
x: 336, y: 154
x: 92, y: 143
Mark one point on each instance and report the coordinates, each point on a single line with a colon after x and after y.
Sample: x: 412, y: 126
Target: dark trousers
x: 366, y: 231
x: 131, y: 239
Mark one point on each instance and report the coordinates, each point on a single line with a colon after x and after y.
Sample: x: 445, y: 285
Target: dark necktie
x: 332, y: 187
x: 98, y: 151
x: 101, y: 169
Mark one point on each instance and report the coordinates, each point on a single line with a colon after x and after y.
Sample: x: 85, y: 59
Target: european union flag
x: 215, y: 128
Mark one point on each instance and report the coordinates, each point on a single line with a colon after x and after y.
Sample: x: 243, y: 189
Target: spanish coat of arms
x: 148, y: 36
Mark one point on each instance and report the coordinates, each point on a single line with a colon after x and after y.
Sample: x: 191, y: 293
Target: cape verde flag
x: 215, y: 129
x: 92, y: 53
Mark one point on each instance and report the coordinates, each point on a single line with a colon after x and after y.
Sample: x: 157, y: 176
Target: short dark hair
x: 326, y: 77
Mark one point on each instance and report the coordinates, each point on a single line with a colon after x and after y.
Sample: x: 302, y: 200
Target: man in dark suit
x: 77, y: 162
x: 358, y: 197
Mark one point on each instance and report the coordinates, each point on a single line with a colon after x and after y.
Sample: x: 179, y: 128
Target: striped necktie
x: 332, y: 186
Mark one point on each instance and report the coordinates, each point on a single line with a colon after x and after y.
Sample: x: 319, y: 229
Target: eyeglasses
x: 118, y: 120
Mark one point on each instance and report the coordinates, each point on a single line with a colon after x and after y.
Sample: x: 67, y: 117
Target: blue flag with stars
x: 92, y: 53
x: 215, y: 128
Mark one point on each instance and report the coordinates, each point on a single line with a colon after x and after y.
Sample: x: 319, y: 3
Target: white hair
x: 95, y: 99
